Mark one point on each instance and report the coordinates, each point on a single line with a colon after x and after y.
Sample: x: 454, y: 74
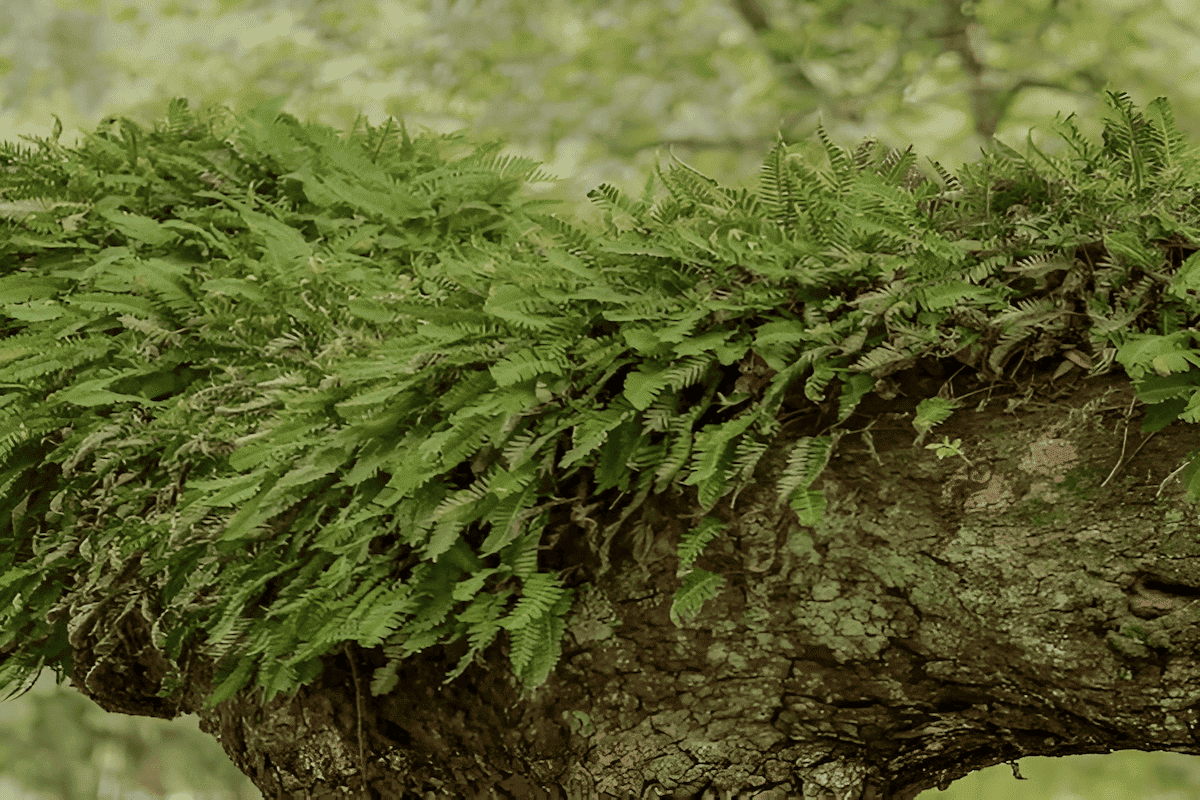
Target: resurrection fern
x: 296, y: 389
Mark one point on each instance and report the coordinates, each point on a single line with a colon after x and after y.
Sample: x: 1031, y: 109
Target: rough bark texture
x: 951, y: 614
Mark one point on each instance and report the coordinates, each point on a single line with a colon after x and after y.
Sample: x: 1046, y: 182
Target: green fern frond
x: 1173, y: 150
x: 950, y: 182
x: 481, y: 621
x: 840, y: 160
x: 533, y: 648
x: 895, y: 167
x: 521, y: 555
x: 776, y: 189
x: 678, y: 452
x: 698, y: 587
x: 525, y: 364
x: 540, y: 592
x: 866, y: 153
x: 885, y: 355
x: 591, y: 432
x: 1066, y: 128
x: 693, y: 542
x: 611, y: 199
x: 806, y: 461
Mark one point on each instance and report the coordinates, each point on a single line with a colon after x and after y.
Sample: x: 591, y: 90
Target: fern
x: 698, y: 587
x: 776, y: 188
x: 806, y: 461
x: 481, y: 621
x: 696, y: 539
x: 342, y: 406
x: 841, y: 163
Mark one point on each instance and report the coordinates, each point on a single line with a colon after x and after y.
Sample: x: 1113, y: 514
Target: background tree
x: 720, y: 85
x: 596, y: 92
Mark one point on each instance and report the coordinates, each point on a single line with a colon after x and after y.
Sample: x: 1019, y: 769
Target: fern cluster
x: 299, y: 389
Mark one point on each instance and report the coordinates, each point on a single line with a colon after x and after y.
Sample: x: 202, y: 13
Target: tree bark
x: 949, y: 614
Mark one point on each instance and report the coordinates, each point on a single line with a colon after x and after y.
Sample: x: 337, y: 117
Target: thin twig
x: 1125, y: 440
x: 362, y: 764
x: 1163, y: 485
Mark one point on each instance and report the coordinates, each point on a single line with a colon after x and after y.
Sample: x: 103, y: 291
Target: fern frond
x: 840, y: 160
x: 806, y: 460
x: 693, y: 542
x: 698, y: 587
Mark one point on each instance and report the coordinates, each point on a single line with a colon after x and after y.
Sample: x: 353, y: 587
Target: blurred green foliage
x: 57, y: 744
x: 1124, y: 775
